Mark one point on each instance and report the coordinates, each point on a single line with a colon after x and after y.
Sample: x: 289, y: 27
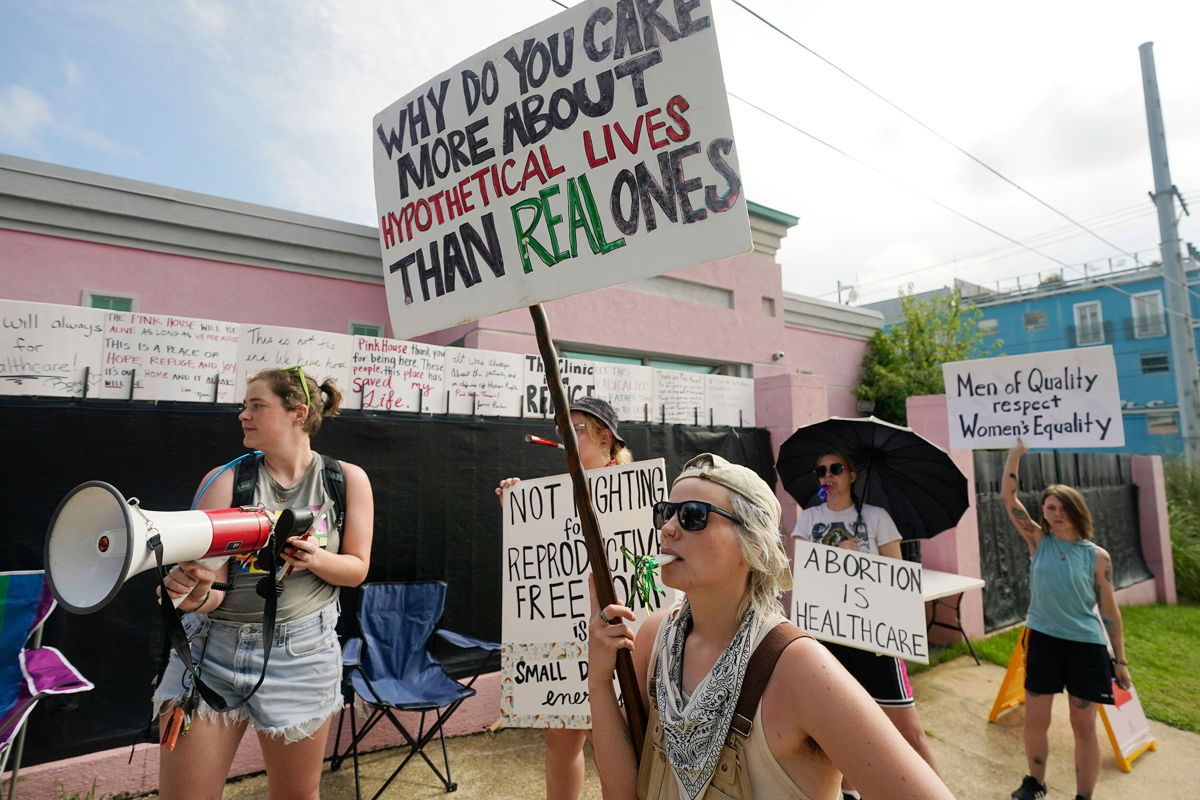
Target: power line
x: 940, y: 136
x: 945, y: 139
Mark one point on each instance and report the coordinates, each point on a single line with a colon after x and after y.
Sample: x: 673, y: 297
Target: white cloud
x: 24, y: 114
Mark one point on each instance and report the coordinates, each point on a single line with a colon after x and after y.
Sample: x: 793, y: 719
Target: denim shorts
x: 302, y: 686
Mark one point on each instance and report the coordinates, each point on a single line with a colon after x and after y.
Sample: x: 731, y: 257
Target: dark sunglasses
x: 834, y: 469
x: 692, y: 514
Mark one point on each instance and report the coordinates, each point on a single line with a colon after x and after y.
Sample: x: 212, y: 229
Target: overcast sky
x: 271, y: 102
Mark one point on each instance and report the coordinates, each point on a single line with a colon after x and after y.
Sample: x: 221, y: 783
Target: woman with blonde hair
x: 810, y: 720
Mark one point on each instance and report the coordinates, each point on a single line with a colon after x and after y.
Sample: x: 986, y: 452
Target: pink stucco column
x: 783, y: 403
x: 956, y: 550
x: 1155, y: 532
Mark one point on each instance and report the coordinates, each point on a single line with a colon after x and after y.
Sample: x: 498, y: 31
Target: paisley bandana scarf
x: 694, y: 730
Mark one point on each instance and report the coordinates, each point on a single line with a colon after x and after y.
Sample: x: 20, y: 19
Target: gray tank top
x: 303, y: 592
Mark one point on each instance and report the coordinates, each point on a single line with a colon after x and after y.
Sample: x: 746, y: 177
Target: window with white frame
x: 1154, y: 362
x: 1148, y: 317
x: 1034, y: 320
x: 108, y: 301
x: 1162, y: 424
x: 1089, y: 324
x: 364, y: 329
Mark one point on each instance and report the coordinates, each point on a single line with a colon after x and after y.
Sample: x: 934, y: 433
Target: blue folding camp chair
x: 27, y: 674
x: 391, y: 670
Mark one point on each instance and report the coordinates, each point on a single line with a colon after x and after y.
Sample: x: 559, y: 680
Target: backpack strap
x: 335, y: 486
x: 758, y: 672
x: 245, y: 476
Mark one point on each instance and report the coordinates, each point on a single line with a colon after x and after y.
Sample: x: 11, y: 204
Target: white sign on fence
x: 578, y: 380
x: 730, y: 399
x: 484, y: 382
x: 170, y: 358
x: 861, y: 600
x: 628, y: 388
x: 592, y: 149
x: 322, y: 354
x: 48, y: 349
x: 394, y: 375
x: 1058, y: 399
x: 545, y: 607
x: 679, y: 397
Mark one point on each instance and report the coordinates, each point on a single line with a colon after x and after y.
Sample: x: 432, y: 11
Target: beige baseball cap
x: 734, y: 477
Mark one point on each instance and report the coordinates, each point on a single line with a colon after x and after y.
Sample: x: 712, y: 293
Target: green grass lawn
x: 1162, y: 644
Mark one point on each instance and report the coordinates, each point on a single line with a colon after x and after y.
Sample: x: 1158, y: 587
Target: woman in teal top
x: 1069, y: 575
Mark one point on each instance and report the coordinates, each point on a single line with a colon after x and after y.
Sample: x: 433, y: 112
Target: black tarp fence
x: 1106, y: 483
x: 436, y: 518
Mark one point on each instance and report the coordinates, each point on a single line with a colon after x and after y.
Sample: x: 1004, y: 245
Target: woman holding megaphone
x: 299, y: 692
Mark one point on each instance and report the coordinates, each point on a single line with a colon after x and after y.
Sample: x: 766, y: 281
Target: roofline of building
x: 56, y: 200
x: 822, y: 316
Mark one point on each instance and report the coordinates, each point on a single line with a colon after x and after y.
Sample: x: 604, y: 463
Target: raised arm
x: 1029, y: 530
x: 1110, y: 614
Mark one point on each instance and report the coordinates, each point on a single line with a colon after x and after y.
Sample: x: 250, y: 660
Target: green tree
x: 906, y: 359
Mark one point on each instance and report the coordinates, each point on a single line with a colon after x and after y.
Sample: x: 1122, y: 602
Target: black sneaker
x: 1030, y: 789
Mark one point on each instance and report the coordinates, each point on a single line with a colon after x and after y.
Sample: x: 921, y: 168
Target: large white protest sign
x: 1059, y: 399
x: 50, y: 350
x: 545, y: 564
x: 861, y: 600
x: 322, y: 354
x: 592, y: 149
x: 169, y: 358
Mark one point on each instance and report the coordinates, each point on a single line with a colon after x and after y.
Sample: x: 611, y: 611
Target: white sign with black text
x: 866, y: 601
x: 1059, y: 399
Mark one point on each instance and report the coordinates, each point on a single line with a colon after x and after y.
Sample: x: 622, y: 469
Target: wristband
x: 1119, y: 661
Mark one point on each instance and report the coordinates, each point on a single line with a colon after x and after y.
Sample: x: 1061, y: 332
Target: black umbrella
x: 898, y: 470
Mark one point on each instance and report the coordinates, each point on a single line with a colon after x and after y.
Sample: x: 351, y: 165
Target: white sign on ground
x: 1059, y: 399
x: 545, y: 607
x: 592, y: 149
x: 861, y: 600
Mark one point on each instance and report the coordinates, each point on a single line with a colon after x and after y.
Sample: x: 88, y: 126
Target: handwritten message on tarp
x: 484, y: 382
x: 545, y: 593
x: 870, y: 602
x: 730, y: 399
x: 393, y: 375
x: 1059, y: 399
x: 628, y: 388
x: 679, y: 397
x: 590, y: 150
x: 322, y: 354
x: 578, y: 379
x: 169, y: 358
x: 48, y: 349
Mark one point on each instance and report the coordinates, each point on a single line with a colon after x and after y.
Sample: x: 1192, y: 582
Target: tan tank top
x: 760, y: 777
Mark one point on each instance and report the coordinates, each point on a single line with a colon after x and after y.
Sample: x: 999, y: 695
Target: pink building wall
x: 51, y: 269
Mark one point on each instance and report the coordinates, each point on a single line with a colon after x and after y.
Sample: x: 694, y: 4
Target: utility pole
x: 1179, y: 312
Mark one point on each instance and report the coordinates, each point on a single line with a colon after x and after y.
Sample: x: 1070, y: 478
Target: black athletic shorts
x: 884, y: 677
x: 1052, y: 664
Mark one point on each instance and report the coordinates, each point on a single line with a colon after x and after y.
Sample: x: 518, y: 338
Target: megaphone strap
x: 177, y: 637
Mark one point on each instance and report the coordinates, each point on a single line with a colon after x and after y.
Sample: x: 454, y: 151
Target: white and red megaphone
x: 98, y: 540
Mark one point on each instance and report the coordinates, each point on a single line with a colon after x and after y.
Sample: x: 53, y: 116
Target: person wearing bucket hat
x: 806, y: 721
x: 600, y: 445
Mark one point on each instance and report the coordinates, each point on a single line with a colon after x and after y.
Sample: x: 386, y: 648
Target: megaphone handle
x: 212, y: 564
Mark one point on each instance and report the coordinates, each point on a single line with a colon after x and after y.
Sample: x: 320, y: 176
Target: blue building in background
x: 1125, y: 309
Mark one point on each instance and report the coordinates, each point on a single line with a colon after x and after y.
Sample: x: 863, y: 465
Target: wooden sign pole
x: 593, y: 541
